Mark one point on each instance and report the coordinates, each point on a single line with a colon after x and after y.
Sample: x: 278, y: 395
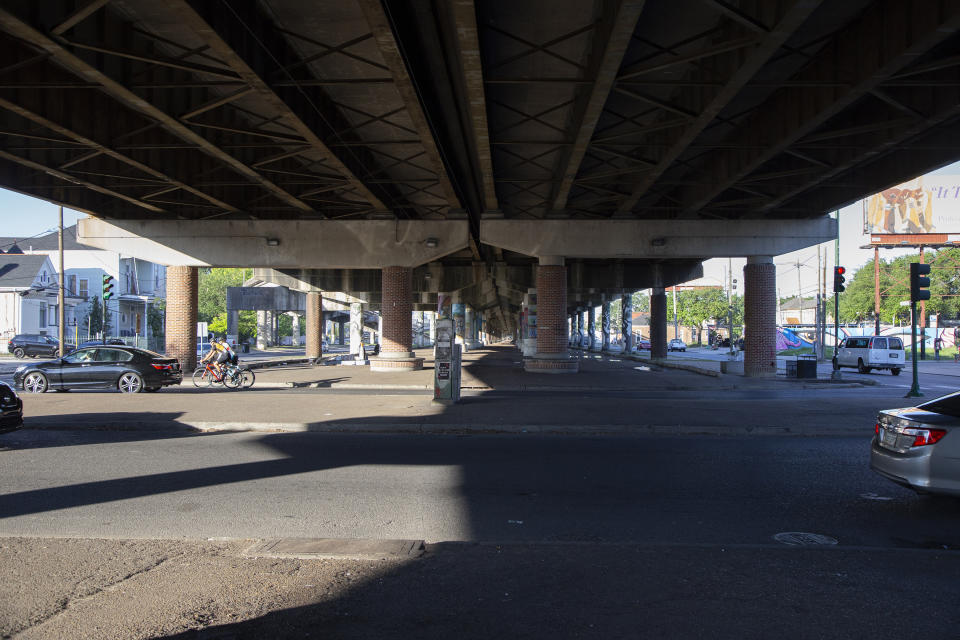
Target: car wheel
x: 35, y: 383
x: 895, y: 371
x: 19, y: 352
x: 861, y: 368
x: 130, y: 383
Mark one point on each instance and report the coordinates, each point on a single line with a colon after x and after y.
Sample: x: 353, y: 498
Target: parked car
x: 11, y: 409
x: 641, y: 344
x: 919, y: 447
x: 126, y: 369
x: 871, y: 352
x: 676, y: 345
x: 34, y: 344
x: 94, y: 343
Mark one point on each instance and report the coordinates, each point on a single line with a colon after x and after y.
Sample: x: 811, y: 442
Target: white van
x: 871, y: 352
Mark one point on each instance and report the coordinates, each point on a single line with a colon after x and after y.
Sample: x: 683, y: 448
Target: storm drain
x: 803, y: 539
x: 315, y: 548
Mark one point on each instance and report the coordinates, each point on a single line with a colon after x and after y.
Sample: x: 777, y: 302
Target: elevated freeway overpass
x: 395, y: 151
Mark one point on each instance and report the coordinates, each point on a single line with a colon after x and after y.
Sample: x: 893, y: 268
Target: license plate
x: 894, y: 355
x: 888, y: 437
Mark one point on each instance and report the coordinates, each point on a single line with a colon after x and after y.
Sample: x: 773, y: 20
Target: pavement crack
x: 70, y: 602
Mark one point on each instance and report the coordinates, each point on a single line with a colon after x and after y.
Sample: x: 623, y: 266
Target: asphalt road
x: 529, y: 536
x: 642, y: 490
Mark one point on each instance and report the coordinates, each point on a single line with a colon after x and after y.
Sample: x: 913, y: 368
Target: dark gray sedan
x: 126, y: 369
x: 919, y: 447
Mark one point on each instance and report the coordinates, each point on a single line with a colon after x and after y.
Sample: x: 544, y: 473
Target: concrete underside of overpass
x: 322, y: 141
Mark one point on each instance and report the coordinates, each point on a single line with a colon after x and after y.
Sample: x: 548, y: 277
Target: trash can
x: 806, y: 367
x: 245, y: 347
x: 791, y: 368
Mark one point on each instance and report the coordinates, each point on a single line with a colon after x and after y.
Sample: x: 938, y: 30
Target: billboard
x: 928, y: 204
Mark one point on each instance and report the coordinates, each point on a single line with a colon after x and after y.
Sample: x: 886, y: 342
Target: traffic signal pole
x: 919, y: 291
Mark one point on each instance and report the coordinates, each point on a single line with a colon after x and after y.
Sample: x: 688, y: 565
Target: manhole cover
x: 803, y: 539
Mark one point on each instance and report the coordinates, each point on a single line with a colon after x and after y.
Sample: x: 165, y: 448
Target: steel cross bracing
x: 185, y: 90
x: 643, y: 109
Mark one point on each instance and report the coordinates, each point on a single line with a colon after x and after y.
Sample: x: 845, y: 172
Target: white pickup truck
x: 871, y: 352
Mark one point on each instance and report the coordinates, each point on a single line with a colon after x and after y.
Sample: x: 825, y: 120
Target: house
x: 797, y: 311
x: 28, y: 298
x: 137, y: 284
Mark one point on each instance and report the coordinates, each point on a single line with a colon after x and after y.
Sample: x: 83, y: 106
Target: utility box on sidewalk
x: 802, y: 367
x: 446, y: 364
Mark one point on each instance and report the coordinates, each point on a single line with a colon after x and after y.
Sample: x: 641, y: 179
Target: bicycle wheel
x: 248, y: 379
x: 201, y: 377
x: 232, y: 379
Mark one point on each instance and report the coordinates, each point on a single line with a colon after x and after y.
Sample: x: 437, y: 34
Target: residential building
x: 28, y: 298
x: 138, y: 284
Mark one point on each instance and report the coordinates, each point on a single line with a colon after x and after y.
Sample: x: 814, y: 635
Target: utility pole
x: 835, y: 373
x: 61, y: 330
x: 676, y: 329
x: 799, y: 294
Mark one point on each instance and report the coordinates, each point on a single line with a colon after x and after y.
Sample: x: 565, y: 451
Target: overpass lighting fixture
x: 432, y: 243
x: 658, y: 242
x: 273, y: 242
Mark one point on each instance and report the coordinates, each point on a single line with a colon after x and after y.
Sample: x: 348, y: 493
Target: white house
x: 137, y: 284
x: 28, y: 298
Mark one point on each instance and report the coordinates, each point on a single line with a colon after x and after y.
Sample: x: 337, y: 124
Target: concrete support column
x: 592, y: 329
x: 605, y: 324
x: 263, y: 330
x: 468, y: 317
x: 626, y: 320
x: 658, y: 323
x: 552, y: 355
x: 233, y: 324
x: 314, y: 328
x: 760, y: 317
x: 356, y: 327
x: 459, y: 319
x: 295, y: 329
x: 181, y: 317
x: 432, y: 319
x: 396, y: 344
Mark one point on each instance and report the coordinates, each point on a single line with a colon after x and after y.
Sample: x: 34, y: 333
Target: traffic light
x: 838, y: 279
x: 919, y: 282
x: 107, y: 287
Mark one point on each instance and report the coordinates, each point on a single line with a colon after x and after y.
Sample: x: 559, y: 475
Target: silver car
x: 919, y: 447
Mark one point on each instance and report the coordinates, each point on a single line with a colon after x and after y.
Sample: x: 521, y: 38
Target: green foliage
x: 641, y: 302
x: 696, y: 306
x: 284, y: 326
x: 212, y: 291
x: 857, y: 302
x: 247, y: 328
x: 155, y: 316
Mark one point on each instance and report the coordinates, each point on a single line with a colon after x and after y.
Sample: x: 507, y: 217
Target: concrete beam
x: 281, y: 244
x: 699, y: 239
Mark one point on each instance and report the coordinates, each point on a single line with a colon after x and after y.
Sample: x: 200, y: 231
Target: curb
x: 421, y: 428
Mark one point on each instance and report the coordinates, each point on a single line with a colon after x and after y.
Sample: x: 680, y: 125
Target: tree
x: 155, y: 317
x: 95, y: 318
x: 212, y: 291
x: 696, y: 306
x: 246, y: 329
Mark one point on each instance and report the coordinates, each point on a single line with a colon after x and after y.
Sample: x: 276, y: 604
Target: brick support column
x: 626, y: 320
x: 760, y: 317
x: 396, y: 346
x: 658, y: 323
x: 182, y: 316
x: 552, y: 352
x: 605, y: 324
x: 314, y: 328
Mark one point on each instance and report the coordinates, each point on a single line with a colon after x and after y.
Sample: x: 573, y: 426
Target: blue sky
x: 24, y: 216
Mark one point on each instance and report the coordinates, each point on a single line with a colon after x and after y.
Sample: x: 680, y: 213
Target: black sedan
x: 11, y: 409
x: 126, y: 369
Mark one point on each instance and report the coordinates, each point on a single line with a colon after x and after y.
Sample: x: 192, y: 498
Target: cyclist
x: 217, y: 355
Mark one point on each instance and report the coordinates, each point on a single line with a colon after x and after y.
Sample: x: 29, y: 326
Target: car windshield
x: 948, y: 405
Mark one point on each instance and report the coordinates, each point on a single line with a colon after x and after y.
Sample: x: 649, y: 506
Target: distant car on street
x: 34, y: 345
x: 867, y: 353
x: 919, y: 447
x: 676, y: 345
x: 126, y: 369
x: 641, y: 344
x: 11, y: 409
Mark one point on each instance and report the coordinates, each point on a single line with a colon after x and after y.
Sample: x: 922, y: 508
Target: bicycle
x: 230, y: 376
